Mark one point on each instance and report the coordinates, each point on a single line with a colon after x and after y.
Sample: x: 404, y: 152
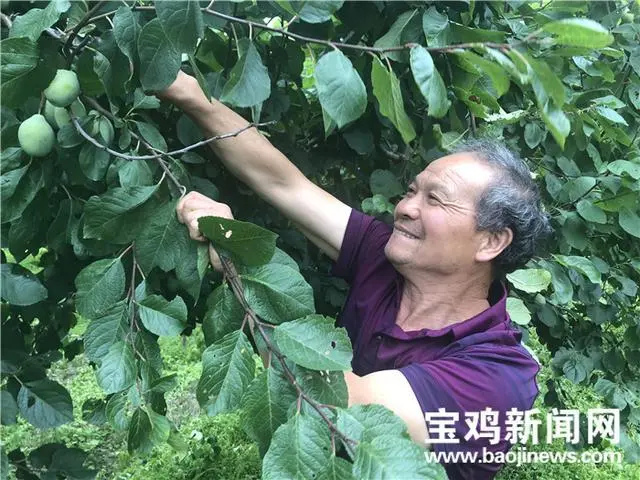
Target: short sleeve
x: 364, y: 240
x: 472, y: 382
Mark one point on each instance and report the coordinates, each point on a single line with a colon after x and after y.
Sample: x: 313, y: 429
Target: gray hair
x: 512, y: 200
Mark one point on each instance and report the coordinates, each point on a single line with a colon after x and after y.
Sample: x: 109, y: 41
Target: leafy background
x: 99, y: 279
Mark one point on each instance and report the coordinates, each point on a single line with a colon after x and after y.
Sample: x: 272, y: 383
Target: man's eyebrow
x: 438, y: 186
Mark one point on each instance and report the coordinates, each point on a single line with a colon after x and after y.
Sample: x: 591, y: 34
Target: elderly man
x: 426, y: 310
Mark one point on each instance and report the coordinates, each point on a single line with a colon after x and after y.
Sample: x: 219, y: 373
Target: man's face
x: 435, y: 224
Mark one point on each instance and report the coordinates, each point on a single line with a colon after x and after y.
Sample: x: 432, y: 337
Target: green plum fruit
x: 36, y: 136
x: 50, y: 113
x: 59, y: 116
x: 63, y: 89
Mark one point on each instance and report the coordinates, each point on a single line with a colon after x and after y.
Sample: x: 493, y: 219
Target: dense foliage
x: 359, y: 95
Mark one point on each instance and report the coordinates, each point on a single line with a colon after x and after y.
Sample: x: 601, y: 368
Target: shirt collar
x: 483, y: 321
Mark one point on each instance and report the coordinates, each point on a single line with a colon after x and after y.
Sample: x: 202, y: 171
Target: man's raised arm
x: 256, y: 162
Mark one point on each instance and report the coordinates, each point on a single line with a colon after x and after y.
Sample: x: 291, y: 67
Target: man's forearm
x: 249, y: 156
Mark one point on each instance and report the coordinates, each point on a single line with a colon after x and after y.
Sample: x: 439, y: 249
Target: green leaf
x: 265, y: 405
x: 610, y: 114
x: 146, y: 430
x: 340, y: 89
x: 99, y: 286
x: 161, y: 317
x: 116, y: 411
x: 191, y: 270
x: 299, y: 450
x: 144, y: 102
x: 582, y: 265
x: 557, y: 123
x: 429, y: 82
x: 533, y: 135
x: 476, y: 64
x: 633, y: 92
x: 546, y: 84
x: 386, y: 88
x: 436, y: 27
x: 531, y: 280
x: 576, y: 368
x: 117, y: 370
x: 363, y: 423
x: 159, y: 61
x: 94, y: 162
x: 227, y: 369
x: 580, y: 32
x: 9, y: 181
x: 315, y: 343
x: 9, y: 410
x: 328, y: 388
x: 621, y: 167
x: 591, y: 212
x: 518, y: 312
x: 278, y: 293
x: 562, y: 286
x: 18, y: 58
x: 394, y: 37
x: 135, y: 174
x: 126, y: 31
x: 182, y: 23
x: 104, y: 331
x: 18, y: 286
x: 26, y: 190
x: 224, y: 314
x: 249, y: 83
x: 317, y: 11
x: 248, y: 244
x: 37, y: 20
x: 385, y: 183
x: 45, y: 404
x: 152, y: 135
x: 105, y: 214
x: 390, y: 457
x: 577, y: 188
x: 164, y: 243
x: 337, y: 469
x: 629, y: 221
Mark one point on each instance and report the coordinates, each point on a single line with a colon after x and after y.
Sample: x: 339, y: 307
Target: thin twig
x: 124, y: 156
x: 83, y: 21
x: 6, y: 20
x: 337, y: 45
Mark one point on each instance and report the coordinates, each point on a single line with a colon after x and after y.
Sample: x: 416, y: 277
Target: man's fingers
x: 194, y: 230
x: 215, y: 259
x: 196, y: 202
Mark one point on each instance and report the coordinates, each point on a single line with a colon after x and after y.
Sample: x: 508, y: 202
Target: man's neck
x: 436, y: 302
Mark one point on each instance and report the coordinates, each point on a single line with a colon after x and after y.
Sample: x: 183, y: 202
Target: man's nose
x: 408, y: 208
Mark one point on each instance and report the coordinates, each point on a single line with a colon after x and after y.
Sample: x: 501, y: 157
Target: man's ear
x: 492, y: 244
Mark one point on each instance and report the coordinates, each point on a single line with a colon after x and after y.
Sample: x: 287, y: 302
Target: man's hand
x: 195, y: 205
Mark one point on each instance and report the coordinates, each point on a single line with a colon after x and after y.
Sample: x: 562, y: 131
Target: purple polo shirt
x: 465, y: 367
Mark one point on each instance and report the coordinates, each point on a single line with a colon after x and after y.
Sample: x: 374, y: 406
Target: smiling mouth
x: 405, y: 234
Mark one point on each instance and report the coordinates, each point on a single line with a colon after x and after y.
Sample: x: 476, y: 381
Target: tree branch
x: 232, y: 277
x: 338, y: 45
x: 124, y: 156
x: 6, y: 20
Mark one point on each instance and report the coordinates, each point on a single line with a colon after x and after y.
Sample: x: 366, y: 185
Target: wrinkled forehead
x: 461, y: 172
